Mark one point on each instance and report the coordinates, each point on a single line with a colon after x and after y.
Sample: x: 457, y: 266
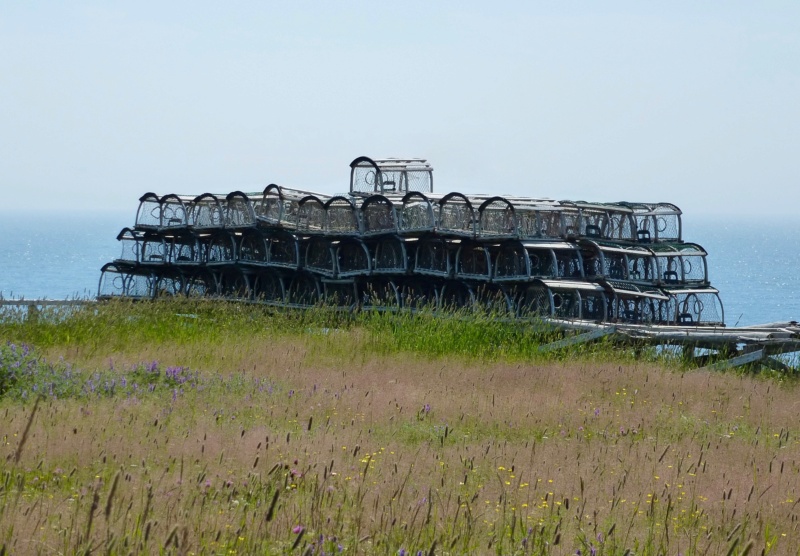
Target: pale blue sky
x: 689, y: 102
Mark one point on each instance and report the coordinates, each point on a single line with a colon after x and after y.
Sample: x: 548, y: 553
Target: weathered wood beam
x: 578, y: 339
x: 737, y: 361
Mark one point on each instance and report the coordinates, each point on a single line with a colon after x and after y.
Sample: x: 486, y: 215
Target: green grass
x: 120, y: 325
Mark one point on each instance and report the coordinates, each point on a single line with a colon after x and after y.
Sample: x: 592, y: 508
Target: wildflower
x: 597, y: 412
x: 426, y: 408
x: 297, y: 529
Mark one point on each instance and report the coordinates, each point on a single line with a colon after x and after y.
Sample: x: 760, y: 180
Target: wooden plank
x: 737, y: 361
x: 578, y: 339
x: 786, y: 324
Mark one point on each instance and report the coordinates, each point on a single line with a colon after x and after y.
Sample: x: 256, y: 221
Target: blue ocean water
x: 754, y: 262
x: 57, y: 255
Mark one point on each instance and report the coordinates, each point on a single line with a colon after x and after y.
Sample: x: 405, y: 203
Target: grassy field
x: 211, y: 428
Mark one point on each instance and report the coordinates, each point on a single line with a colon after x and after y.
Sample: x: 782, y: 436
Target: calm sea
x: 754, y: 263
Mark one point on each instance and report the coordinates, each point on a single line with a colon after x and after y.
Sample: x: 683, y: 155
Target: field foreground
x: 312, y: 443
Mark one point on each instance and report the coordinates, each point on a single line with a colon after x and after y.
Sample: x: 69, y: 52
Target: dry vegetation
x: 274, y: 439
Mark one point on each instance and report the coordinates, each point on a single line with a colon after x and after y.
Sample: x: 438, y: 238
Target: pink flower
x: 297, y: 529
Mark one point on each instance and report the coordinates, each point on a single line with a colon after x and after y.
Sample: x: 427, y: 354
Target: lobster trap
x: 394, y: 244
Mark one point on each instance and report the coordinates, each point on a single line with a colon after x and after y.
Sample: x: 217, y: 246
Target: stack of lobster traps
x: 391, y: 243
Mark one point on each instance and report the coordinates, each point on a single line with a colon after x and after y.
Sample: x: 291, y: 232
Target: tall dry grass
x: 309, y: 440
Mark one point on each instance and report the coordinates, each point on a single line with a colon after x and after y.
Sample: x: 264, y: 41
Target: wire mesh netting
x: 694, y: 307
x: 124, y: 281
x: 432, y: 257
x: 310, y: 216
x: 170, y: 284
x: 319, y: 257
x: 455, y: 294
x: 174, y: 212
x: 206, y: 213
x: 219, y: 248
x: 232, y: 282
x: 252, y: 248
x: 340, y: 293
x: 390, y: 176
x: 511, y: 262
x: 420, y: 180
x: 378, y: 216
x: 149, y: 213
x: 303, y: 290
x: 283, y: 249
x: 352, y: 258
x: 389, y: 255
x: 365, y: 177
x: 473, y: 261
x: 268, y: 288
x: 341, y: 217
x: 239, y: 211
x: 417, y: 214
x: 497, y: 219
x: 456, y: 216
